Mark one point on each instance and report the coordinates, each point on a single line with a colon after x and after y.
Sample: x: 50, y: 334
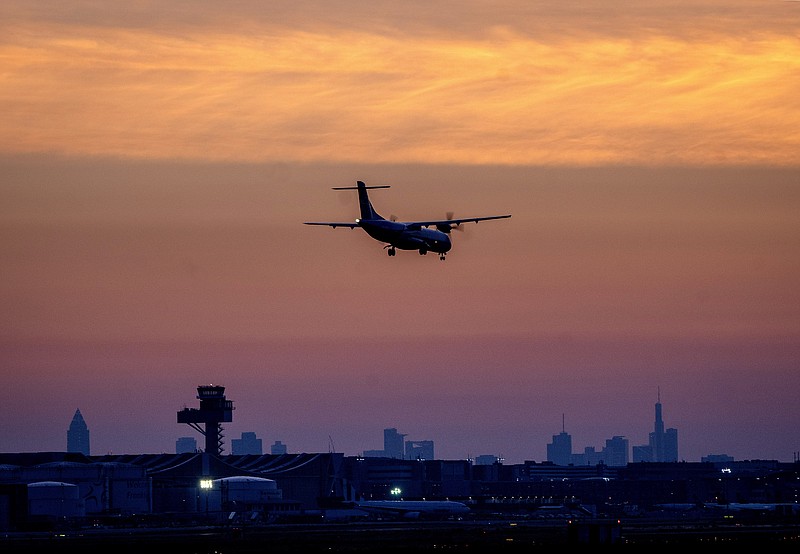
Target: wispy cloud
x: 268, y: 92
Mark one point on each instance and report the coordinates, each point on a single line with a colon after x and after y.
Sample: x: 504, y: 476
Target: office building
x: 615, y: 453
x: 486, y: 460
x: 717, y: 459
x: 419, y: 450
x: 393, y: 444
x: 78, y: 435
x: 277, y: 448
x: 248, y: 444
x: 186, y: 445
x: 560, y: 450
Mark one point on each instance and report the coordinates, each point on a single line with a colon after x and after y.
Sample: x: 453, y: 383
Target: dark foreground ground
x: 417, y: 537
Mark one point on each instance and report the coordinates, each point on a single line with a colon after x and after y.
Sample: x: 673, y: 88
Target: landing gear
x: 392, y: 251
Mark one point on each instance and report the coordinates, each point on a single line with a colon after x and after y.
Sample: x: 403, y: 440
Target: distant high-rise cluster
x: 662, y: 447
x: 395, y: 446
x: 248, y: 444
x: 78, y: 435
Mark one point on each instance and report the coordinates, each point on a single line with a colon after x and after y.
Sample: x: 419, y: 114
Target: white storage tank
x: 56, y: 499
x: 248, y: 490
x: 241, y: 493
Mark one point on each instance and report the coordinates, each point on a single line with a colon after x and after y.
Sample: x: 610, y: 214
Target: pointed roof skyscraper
x: 78, y: 435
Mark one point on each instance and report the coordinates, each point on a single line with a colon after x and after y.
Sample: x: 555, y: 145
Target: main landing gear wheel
x: 391, y: 250
x: 441, y: 257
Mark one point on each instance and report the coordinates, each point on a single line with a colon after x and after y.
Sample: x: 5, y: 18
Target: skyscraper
x: 663, y: 444
x: 78, y: 435
x: 615, y: 452
x: 560, y: 450
x: 393, y: 443
x: 671, y: 445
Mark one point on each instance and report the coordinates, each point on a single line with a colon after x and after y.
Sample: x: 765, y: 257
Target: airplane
x: 405, y: 235
x: 783, y: 507
x: 413, y: 509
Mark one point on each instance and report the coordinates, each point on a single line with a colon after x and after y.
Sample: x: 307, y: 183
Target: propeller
x: 447, y: 227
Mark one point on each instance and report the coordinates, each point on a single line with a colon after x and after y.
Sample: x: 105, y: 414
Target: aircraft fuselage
x: 406, y: 237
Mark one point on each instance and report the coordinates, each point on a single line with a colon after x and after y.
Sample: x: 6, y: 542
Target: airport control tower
x: 213, y: 411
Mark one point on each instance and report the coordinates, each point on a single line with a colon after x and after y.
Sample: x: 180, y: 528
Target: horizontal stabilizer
x: 366, y: 187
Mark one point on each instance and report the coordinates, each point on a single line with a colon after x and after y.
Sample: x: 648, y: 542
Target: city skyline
x: 157, y: 162
x: 559, y: 451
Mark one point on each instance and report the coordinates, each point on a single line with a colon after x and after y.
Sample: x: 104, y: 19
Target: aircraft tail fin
x: 367, y: 211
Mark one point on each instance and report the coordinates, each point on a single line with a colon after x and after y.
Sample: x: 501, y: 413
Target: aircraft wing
x: 333, y: 224
x: 457, y: 221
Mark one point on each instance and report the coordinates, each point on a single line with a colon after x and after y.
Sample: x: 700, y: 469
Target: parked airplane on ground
x: 413, y: 509
x: 405, y: 235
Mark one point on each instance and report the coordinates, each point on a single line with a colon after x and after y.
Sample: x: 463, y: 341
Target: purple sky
x: 155, y: 171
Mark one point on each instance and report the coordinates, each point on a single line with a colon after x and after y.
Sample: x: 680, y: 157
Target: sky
x: 157, y: 161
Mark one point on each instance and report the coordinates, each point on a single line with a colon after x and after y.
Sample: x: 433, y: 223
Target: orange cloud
x: 348, y: 96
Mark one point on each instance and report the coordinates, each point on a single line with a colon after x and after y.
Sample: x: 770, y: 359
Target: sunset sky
x: 157, y: 161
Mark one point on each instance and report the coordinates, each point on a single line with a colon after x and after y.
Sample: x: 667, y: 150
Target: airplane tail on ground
x: 367, y: 211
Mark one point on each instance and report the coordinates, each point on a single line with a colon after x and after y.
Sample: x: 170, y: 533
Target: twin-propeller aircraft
x: 405, y: 235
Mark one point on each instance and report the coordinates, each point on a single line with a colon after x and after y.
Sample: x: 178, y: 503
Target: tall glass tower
x: 78, y: 435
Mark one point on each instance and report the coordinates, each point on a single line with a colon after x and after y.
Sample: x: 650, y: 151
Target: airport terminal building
x: 41, y: 489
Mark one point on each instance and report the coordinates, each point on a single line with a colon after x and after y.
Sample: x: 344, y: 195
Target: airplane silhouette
x: 405, y: 235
